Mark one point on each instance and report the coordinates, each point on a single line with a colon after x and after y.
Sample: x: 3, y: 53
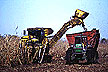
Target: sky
x: 51, y: 14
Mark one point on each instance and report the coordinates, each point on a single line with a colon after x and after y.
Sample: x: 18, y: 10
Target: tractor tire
x: 95, y: 60
x: 89, y: 56
x: 92, y: 56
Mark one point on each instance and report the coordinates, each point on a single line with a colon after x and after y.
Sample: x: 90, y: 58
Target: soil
x: 59, y: 65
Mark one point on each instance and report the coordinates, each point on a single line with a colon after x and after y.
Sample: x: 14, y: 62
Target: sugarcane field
x: 53, y: 36
x: 8, y: 55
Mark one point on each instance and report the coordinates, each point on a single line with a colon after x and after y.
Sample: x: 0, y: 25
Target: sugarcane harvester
x: 35, y: 46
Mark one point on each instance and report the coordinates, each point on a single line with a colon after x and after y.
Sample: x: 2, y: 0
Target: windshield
x: 77, y: 40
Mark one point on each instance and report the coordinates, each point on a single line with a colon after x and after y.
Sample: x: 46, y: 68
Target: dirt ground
x: 58, y: 64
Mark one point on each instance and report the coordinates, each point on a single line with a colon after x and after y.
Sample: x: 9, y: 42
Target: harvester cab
x: 34, y: 35
x: 37, y: 34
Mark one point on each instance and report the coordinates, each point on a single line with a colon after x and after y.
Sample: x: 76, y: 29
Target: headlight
x: 71, y: 45
x: 89, y: 45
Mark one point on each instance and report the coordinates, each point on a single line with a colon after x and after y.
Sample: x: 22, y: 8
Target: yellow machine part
x: 77, y: 20
x: 45, y: 41
x: 34, y: 40
x: 81, y: 14
x: 26, y: 38
x: 46, y: 32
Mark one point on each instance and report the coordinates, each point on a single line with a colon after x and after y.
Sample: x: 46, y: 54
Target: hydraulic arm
x: 77, y: 20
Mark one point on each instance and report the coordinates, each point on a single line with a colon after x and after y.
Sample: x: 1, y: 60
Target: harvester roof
x: 48, y: 30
